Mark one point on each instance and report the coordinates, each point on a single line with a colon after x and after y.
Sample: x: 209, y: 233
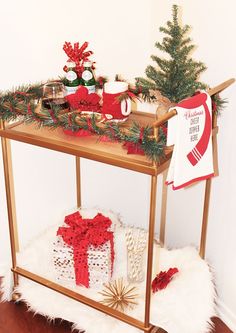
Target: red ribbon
x: 52, y: 116
x: 80, y: 234
x: 132, y: 95
x: 89, y: 123
x: 80, y: 133
x: 163, y: 279
x: 29, y: 109
x: 133, y: 148
x: 214, y: 106
x: 141, y: 134
x: 128, y: 93
x: 22, y: 93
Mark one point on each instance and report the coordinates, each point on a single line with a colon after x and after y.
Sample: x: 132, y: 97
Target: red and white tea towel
x: 190, y: 132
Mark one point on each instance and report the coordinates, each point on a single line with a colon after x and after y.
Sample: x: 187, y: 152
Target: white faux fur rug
x: 185, y: 306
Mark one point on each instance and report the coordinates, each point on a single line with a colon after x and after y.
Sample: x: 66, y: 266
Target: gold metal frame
x: 113, y: 156
x: 10, y: 196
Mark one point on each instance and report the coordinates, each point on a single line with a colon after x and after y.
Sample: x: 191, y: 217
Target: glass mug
x: 54, y: 97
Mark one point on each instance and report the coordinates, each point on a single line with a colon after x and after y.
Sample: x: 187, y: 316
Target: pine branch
x: 20, y: 104
x: 218, y: 103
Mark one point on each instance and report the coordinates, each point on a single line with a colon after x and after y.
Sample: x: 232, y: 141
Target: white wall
x: 122, y: 35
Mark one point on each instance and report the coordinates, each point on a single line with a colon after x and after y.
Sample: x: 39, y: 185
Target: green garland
x: 22, y: 103
x: 175, y: 78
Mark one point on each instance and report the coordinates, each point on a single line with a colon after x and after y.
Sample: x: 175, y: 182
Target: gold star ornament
x: 119, y: 296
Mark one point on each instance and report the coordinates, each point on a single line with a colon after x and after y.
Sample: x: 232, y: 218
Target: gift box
x: 84, y: 250
x: 63, y: 260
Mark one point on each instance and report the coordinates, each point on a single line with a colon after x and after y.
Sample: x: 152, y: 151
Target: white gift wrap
x: 99, y: 263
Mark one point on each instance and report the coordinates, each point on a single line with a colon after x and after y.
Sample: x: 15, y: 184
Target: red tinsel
x: 214, y: 106
x: 29, y: 109
x: 101, y: 80
x: 77, y: 54
x: 133, y: 148
x: 163, y: 279
x: 132, y: 95
x: 52, y: 116
x: 105, y: 138
x: 84, y: 101
x: 141, y: 135
x: 21, y: 93
x: 82, y: 132
x: 80, y: 234
x: 164, y: 129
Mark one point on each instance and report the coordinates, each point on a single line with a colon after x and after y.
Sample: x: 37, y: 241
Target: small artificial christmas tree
x: 177, y: 77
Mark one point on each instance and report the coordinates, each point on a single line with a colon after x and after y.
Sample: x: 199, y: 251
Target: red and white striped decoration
x: 190, y: 132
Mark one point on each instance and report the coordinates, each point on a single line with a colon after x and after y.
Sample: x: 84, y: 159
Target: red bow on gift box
x: 80, y: 234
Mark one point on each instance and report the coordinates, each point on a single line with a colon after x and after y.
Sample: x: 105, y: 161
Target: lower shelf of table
x: 191, y: 291
x: 83, y: 299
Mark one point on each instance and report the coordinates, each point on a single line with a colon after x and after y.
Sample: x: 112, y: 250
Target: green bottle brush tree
x: 176, y: 77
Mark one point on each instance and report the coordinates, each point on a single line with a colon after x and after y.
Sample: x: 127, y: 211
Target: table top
x: 89, y: 147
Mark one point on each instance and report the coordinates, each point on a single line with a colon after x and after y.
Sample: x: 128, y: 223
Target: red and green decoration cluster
x: 174, y: 79
x: 22, y: 104
x: 77, y: 54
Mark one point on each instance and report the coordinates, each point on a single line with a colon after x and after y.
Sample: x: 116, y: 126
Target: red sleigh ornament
x: 80, y: 234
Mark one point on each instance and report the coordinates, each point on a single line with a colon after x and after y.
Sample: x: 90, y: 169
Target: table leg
x: 163, y: 209
x: 205, y: 218
x: 78, y: 182
x: 9, y: 185
x: 150, y: 248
